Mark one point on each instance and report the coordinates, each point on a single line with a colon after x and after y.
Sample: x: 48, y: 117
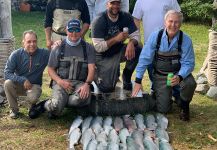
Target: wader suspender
x: 62, y: 52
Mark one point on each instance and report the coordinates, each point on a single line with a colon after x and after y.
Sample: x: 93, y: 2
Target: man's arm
x: 48, y: 31
x: 84, y: 29
x: 137, y: 23
x: 91, y: 71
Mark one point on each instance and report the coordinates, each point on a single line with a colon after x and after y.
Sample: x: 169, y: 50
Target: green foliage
x: 200, y: 10
x: 132, y: 3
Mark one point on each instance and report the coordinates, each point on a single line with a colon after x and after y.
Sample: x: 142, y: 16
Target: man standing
x: 170, y: 51
x: 109, y: 32
x: 58, y: 13
x: 152, y: 12
x: 71, y: 66
x: 23, y: 74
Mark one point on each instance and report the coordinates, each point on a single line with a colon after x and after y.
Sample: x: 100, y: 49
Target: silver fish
x: 86, y: 123
x: 150, y: 122
x: 131, y: 144
x: 165, y: 145
x: 150, y: 144
x: 96, y: 124
x: 149, y: 133
x: 74, y: 137
x: 107, y: 124
x: 101, y: 137
x: 113, y: 136
x: 123, y: 134
x: 129, y: 123
x: 123, y: 146
x: 113, y: 146
x: 75, y: 124
x: 137, y: 135
x: 118, y: 124
x: 92, y: 145
x: 87, y: 136
x: 162, y: 134
x: 102, y: 146
x: 162, y: 121
x: 140, y: 121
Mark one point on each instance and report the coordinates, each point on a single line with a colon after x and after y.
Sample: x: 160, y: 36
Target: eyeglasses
x: 76, y: 30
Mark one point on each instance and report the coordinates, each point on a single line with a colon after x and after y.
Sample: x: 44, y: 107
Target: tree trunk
x: 5, y: 19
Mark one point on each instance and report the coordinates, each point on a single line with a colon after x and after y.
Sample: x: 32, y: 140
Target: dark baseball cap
x: 74, y: 25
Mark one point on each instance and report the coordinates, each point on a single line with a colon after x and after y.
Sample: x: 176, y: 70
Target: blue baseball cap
x: 73, y: 25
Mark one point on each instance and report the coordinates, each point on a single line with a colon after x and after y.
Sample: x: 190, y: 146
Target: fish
x: 96, y: 124
x: 162, y: 121
x: 129, y: 123
x: 92, y: 145
x: 165, y: 145
x: 107, y: 125
x: 75, y: 124
x: 102, y: 146
x: 113, y: 146
x: 149, y: 144
x: 86, y: 123
x: 140, y: 121
x: 122, y: 146
x: 118, y: 124
x: 149, y: 133
x: 101, y: 137
x: 123, y: 134
x: 137, y: 135
x: 162, y: 134
x: 74, y: 138
x: 86, y: 137
x: 131, y: 144
x: 113, y: 136
x: 150, y: 122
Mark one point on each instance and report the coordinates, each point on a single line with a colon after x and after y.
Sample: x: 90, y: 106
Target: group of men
x: 74, y: 64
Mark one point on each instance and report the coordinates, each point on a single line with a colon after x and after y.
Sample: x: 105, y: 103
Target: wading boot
x: 184, y: 115
x: 37, y: 109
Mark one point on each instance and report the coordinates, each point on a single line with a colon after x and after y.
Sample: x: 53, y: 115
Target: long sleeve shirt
x: 21, y: 66
x: 187, y: 59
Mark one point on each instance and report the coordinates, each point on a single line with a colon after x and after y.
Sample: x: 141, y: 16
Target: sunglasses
x: 76, y: 30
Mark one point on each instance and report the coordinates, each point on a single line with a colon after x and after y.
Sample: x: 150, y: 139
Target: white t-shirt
x: 152, y: 12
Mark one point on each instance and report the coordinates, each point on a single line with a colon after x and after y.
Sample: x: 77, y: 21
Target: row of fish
x: 124, y: 133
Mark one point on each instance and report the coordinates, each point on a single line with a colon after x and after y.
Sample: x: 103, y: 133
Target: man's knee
x: 8, y: 84
x: 34, y: 94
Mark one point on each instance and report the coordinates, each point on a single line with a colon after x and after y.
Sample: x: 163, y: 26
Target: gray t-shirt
x: 72, y: 51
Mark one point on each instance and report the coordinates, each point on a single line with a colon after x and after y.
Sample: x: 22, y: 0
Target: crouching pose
x: 71, y: 67
x: 170, y: 51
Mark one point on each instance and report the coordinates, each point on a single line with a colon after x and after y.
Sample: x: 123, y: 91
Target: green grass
x: 42, y: 133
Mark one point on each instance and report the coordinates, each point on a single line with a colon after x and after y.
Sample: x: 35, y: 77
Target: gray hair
x: 29, y: 32
x: 174, y: 12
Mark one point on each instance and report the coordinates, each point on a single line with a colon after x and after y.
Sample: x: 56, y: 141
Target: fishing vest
x: 72, y: 67
x: 167, y: 62
x: 62, y: 16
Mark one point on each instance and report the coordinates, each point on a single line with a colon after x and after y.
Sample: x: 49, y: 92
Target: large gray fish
x: 118, y: 124
x: 75, y: 124
x: 150, y: 122
x: 150, y: 144
x: 107, y: 124
x: 87, y: 136
x: 162, y: 121
x: 92, y: 145
x: 102, y: 146
x: 129, y: 123
x: 165, y: 145
x: 113, y: 146
x: 96, y: 124
x: 140, y: 121
x: 86, y: 123
x: 162, y: 134
x: 74, y: 137
x: 131, y: 144
x: 113, y: 136
x: 101, y: 137
x: 122, y: 146
x: 137, y: 135
x: 123, y: 134
x: 149, y: 133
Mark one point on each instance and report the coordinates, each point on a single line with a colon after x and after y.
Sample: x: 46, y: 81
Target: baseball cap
x: 73, y: 25
x: 109, y: 1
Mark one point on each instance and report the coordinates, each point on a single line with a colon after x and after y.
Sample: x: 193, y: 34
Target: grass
x: 42, y: 133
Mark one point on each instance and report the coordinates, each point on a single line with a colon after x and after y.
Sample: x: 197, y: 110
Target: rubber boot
x: 184, y: 115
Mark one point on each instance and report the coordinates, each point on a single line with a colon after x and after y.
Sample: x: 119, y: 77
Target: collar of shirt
x: 72, y: 43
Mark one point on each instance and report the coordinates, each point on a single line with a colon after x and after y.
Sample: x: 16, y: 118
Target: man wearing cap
x: 109, y: 32
x: 58, y: 13
x: 71, y: 66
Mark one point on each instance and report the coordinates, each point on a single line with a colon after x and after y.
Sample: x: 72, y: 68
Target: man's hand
x: 56, y: 43
x: 136, y: 89
x: 84, y: 91
x: 66, y: 84
x: 49, y: 43
x: 130, y: 51
x: 175, y: 80
x: 121, y: 37
x: 27, y: 85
